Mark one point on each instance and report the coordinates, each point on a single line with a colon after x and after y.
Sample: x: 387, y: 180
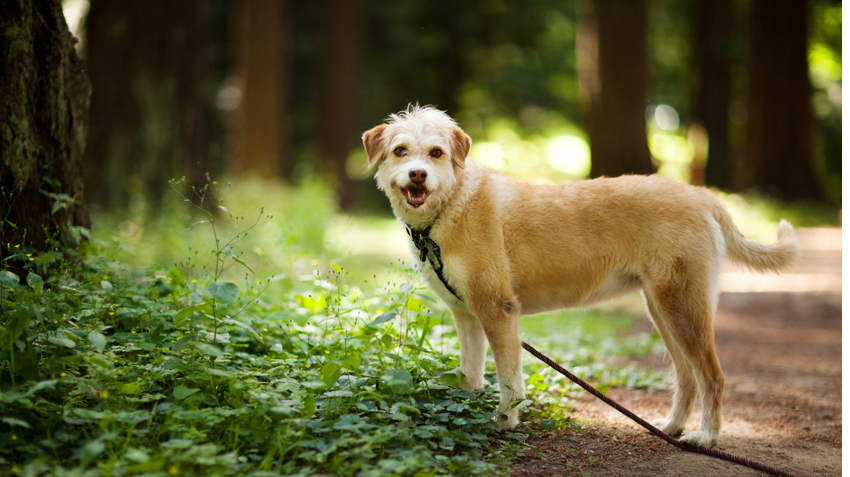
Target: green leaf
x: 309, y: 406
x: 242, y: 262
x: 35, y: 282
x: 129, y: 388
x: 90, y: 451
x: 399, y: 380
x: 62, y: 341
x: 330, y: 372
x: 351, y: 363
x: 45, y: 258
x: 42, y: 385
x: 182, y: 392
x: 197, y: 224
x: 12, y: 421
x: 97, y: 339
x: 209, y: 349
x: 383, y: 318
x: 8, y: 279
x: 107, y: 287
x: 224, y: 292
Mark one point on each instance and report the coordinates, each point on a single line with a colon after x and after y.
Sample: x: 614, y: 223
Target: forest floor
x: 779, y: 343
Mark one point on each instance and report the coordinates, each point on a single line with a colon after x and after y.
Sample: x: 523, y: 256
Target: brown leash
x: 654, y: 430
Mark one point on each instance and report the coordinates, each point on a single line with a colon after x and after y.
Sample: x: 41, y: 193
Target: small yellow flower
x: 16, y: 469
x: 14, y: 437
x: 327, y: 352
x: 174, y: 470
x: 133, y: 331
x: 265, y: 329
x: 62, y: 374
x: 307, y: 366
x: 193, y: 281
x: 314, y: 262
x: 104, y: 394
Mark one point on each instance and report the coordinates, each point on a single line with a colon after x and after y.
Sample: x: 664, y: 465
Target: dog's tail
x: 763, y: 257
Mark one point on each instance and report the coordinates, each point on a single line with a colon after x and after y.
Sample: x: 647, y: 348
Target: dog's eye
x: 399, y: 151
x: 436, y: 153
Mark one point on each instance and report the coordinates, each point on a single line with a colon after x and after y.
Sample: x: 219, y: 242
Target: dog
x: 494, y: 248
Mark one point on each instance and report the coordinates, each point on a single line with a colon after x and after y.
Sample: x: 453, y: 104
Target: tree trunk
x: 44, y: 102
x: 263, y: 65
x: 615, y: 78
x: 713, y: 50
x: 779, y: 124
x: 149, y: 63
x: 339, y: 92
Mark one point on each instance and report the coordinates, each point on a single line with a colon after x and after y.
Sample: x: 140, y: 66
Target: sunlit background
x: 272, y: 96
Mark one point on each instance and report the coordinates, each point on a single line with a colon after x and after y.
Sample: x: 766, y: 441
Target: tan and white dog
x: 509, y: 249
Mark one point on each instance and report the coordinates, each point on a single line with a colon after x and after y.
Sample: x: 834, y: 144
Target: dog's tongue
x: 415, y: 196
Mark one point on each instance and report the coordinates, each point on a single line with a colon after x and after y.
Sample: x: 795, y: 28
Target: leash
x: 652, y: 429
x: 430, y: 251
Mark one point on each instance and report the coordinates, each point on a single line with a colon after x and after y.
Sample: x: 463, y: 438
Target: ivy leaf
x: 224, y: 292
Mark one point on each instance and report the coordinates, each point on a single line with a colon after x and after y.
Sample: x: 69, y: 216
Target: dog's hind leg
x: 686, y: 312
x: 685, y: 386
x: 473, y: 350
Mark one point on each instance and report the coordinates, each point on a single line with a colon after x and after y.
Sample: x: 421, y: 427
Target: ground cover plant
x: 232, y: 362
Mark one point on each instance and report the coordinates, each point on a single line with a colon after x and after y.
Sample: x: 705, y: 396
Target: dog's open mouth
x: 415, y: 195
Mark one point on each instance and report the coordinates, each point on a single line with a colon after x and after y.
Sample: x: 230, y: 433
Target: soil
x: 781, y: 355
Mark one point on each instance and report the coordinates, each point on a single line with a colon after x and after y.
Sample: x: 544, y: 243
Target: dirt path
x: 780, y: 349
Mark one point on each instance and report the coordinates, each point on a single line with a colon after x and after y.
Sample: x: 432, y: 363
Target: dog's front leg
x: 473, y: 349
x: 500, y: 321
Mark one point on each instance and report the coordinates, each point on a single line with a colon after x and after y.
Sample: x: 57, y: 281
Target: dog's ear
x: 375, y: 143
x: 461, y: 143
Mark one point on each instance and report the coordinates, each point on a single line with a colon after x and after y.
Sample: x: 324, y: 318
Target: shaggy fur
x: 511, y: 249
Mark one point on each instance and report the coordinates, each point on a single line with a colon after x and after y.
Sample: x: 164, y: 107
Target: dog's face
x: 420, y: 151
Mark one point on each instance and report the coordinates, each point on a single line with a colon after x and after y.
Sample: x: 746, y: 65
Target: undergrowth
x: 212, y: 366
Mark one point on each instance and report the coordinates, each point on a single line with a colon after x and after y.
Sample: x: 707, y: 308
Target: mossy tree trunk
x: 44, y: 103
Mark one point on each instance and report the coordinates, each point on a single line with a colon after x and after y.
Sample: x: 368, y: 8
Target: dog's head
x: 420, y: 151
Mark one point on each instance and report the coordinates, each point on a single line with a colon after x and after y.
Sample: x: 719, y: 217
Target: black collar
x: 425, y: 244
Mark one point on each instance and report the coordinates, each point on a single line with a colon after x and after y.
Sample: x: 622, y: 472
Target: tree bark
x: 714, y: 44
x: 339, y: 92
x: 779, y: 124
x: 263, y: 65
x: 149, y: 64
x: 615, y: 78
x: 44, y: 102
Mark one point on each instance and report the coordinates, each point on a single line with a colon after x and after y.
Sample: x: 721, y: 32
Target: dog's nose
x: 418, y: 175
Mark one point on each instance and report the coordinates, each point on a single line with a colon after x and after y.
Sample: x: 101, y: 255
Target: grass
x: 289, y: 342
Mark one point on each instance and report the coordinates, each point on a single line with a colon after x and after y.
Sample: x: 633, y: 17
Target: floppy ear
x: 375, y: 143
x: 461, y: 143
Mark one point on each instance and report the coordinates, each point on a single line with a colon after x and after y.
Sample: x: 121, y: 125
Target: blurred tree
x: 149, y: 64
x: 714, y: 48
x: 44, y: 102
x: 779, y: 124
x: 614, y: 75
x: 339, y: 99
x: 263, y: 65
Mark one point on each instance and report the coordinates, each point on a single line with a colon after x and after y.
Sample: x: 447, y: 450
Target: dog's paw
x: 666, y: 426
x: 508, y: 423
x: 700, y: 439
